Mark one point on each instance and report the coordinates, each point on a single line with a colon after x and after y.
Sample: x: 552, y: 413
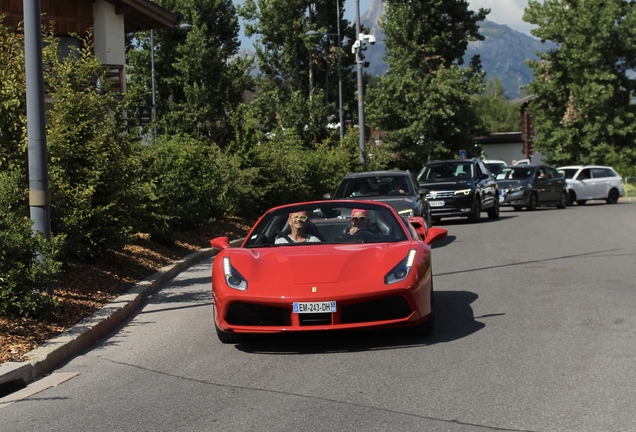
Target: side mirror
x: 220, y: 243
x: 418, y: 223
x: 435, y: 234
x: 327, y: 196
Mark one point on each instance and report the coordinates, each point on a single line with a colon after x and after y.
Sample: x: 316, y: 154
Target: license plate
x: 314, y: 307
x: 436, y: 203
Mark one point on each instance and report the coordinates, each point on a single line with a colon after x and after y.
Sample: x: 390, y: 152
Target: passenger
x: 298, y: 225
x: 364, y: 189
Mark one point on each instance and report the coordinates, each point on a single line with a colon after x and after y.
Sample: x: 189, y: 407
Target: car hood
x: 446, y: 185
x: 397, y: 202
x: 317, y: 264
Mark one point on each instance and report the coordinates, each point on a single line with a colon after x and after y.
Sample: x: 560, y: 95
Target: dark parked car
x: 396, y: 188
x: 532, y: 186
x: 463, y: 187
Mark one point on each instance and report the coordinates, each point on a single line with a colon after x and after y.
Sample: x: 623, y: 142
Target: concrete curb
x: 78, y: 338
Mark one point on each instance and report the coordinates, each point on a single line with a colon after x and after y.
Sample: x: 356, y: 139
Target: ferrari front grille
x: 251, y: 314
x: 376, y: 310
x: 314, y: 319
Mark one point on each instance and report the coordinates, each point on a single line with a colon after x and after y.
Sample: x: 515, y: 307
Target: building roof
x: 77, y: 16
x: 143, y: 15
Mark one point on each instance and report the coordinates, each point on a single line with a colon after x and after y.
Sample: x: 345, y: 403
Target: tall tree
x: 200, y: 78
x: 424, y: 100
x: 583, y: 109
x: 295, y: 66
x: 495, y: 110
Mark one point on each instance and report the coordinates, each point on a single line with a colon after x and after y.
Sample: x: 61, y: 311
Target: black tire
x: 517, y: 208
x: 571, y: 197
x: 493, y: 213
x: 581, y: 202
x: 228, y: 337
x: 436, y: 219
x: 532, y: 203
x: 475, y: 217
x: 563, y: 201
x: 612, y: 197
x: 426, y: 328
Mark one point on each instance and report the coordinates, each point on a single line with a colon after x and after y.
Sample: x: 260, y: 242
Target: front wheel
x: 427, y: 327
x: 532, y: 204
x: 476, y: 216
x: 229, y: 337
x: 612, y: 197
x: 581, y: 202
x: 563, y: 201
x: 493, y: 213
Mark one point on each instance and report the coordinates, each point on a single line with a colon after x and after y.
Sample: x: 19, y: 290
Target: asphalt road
x: 535, y: 331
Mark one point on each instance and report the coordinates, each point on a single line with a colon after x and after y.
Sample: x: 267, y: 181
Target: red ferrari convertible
x: 325, y: 265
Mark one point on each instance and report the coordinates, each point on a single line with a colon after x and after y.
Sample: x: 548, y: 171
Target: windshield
x: 374, y: 186
x: 495, y: 167
x: 327, y: 223
x: 520, y: 172
x: 446, y: 171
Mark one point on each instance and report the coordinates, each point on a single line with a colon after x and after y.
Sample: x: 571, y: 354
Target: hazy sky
x: 508, y: 12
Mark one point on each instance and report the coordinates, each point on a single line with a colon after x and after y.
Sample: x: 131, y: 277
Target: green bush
x: 193, y: 182
x: 94, y: 161
x: 28, y: 263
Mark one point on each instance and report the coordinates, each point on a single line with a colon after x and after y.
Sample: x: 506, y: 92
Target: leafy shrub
x: 13, y: 144
x: 27, y: 263
x: 94, y: 167
x: 193, y: 182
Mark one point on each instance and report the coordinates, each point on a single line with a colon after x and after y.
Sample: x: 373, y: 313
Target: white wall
x: 109, y: 32
x: 504, y: 152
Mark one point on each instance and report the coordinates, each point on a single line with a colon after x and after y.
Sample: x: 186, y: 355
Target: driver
x: 396, y: 186
x: 359, y: 221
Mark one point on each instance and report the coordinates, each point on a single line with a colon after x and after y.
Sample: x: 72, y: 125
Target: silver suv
x: 592, y: 182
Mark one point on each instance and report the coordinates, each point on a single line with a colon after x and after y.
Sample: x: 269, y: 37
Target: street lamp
x: 183, y: 26
x: 315, y: 33
x: 357, y: 47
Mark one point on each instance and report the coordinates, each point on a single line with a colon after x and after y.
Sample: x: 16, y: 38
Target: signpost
x: 462, y: 154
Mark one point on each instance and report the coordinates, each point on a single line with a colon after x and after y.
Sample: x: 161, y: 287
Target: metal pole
x: 152, y: 77
x: 39, y: 194
x: 363, y: 151
x: 340, y: 76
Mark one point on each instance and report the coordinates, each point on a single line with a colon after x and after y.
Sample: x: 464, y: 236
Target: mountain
x: 503, y: 51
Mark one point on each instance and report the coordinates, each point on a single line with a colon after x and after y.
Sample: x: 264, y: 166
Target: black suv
x: 395, y: 188
x: 463, y: 187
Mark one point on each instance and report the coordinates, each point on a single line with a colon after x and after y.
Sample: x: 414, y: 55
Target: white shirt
x: 310, y: 239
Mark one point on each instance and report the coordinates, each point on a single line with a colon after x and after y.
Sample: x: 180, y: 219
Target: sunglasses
x: 301, y: 218
x: 361, y: 219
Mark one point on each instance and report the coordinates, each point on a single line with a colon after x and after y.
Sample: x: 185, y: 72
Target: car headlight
x: 401, y: 270
x: 407, y: 213
x: 517, y: 189
x: 463, y: 192
x: 232, y: 277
